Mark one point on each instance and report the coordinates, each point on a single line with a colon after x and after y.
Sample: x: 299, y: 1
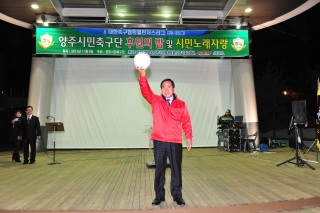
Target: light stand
x: 314, y: 142
x: 150, y: 164
x: 54, y: 125
x: 298, y: 161
x: 303, y: 145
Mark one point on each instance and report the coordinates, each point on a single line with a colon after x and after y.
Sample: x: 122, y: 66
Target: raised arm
x: 141, y: 70
x: 146, y: 91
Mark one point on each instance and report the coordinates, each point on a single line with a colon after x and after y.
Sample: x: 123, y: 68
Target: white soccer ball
x: 142, y: 60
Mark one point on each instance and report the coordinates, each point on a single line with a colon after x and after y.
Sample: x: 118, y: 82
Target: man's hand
x: 39, y: 137
x: 19, y: 138
x: 141, y: 70
x: 189, y: 144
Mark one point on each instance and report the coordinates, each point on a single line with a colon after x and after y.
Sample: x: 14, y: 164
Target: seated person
x: 226, y: 120
x: 227, y: 114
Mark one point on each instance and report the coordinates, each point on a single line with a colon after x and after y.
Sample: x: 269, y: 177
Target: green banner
x: 155, y: 42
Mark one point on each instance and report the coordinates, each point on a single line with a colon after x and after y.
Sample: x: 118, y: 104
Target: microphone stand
x: 299, y: 162
x: 54, y: 142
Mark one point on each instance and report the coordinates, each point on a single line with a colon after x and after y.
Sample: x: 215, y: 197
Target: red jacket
x: 168, y: 121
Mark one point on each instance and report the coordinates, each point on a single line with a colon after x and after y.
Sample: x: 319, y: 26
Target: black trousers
x: 16, y: 146
x: 173, y: 151
x: 32, y: 143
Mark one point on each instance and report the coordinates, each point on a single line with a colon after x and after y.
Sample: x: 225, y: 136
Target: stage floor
x: 118, y: 180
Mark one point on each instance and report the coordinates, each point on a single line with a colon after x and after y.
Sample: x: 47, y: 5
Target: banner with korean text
x: 155, y: 42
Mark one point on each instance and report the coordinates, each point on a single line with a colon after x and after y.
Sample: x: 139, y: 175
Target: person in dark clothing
x: 15, y: 124
x: 227, y: 114
x: 29, y: 132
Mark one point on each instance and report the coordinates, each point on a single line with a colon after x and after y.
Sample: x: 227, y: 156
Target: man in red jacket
x: 170, y: 117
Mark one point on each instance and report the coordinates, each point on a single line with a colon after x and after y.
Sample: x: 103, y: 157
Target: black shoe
x: 17, y: 159
x: 157, y: 201
x: 13, y: 156
x: 25, y: 162
x: 32, y: 162
x: 179, y: 201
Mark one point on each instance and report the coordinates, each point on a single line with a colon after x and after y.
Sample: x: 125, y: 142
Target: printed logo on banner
x: 238, y: 44
x: 46, y: 41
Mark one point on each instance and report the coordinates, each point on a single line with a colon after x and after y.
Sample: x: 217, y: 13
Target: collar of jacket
x: 174, y: 97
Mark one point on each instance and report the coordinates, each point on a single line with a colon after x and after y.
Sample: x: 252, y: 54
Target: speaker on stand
x: 298, y: 121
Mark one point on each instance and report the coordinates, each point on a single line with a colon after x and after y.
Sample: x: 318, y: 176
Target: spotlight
x: 34, y: 6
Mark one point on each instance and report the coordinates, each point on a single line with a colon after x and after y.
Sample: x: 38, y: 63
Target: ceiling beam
x: 202, y: 14
x: 57, y: 5
x: 228, y: 7
x: 15, y: 21
x: 105, y: 7
x: 209, y: 14
x: 84, y: 12
x: 304, y: 7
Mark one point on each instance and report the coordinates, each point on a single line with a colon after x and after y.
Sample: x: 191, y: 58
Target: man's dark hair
x: 167, y: 79
x: 29, y: 107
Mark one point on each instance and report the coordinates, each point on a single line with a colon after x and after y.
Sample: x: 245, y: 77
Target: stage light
x: 34, y: 6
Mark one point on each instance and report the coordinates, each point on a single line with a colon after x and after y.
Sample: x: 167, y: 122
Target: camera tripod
x: 298, y: 161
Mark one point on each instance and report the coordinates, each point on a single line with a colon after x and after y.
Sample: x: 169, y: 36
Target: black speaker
x: 299, y: 110
x: 292, y: 144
